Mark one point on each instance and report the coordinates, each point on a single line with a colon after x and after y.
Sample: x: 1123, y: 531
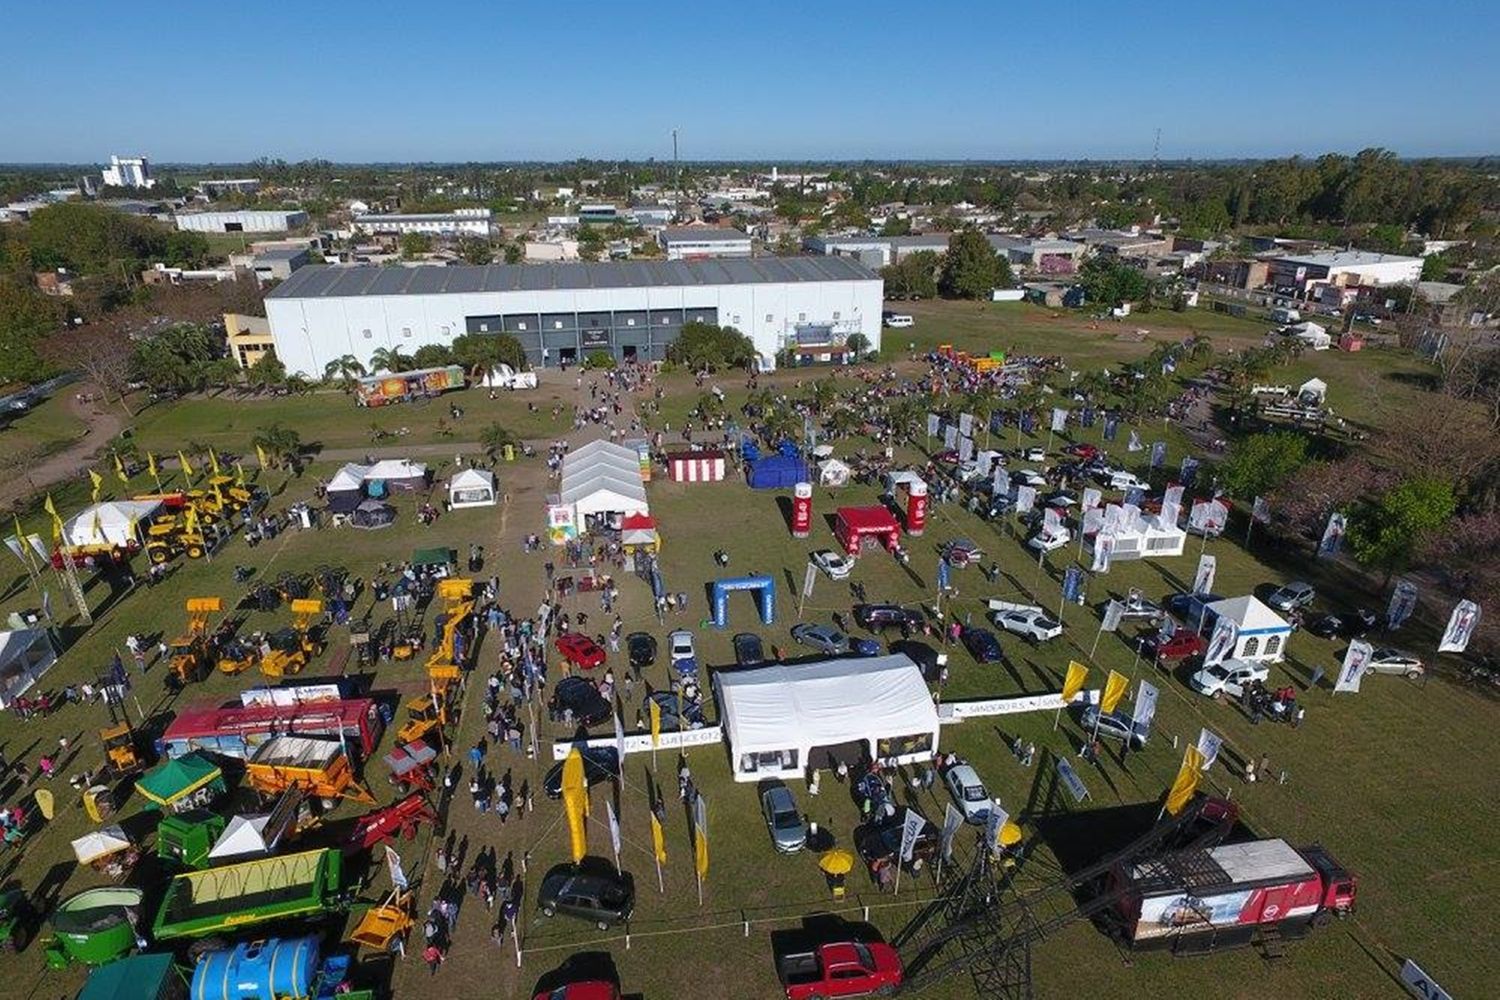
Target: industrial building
x: 562, y: 312
x: 460, y: 222
x: 128, y: 172
x: 278, y: 264
x: 1344, y: 268
x: 703, y: 242
x: 247, y: 221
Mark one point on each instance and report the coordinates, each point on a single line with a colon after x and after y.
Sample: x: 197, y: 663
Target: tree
x: 706, y: 346
x: 591, y: 243
x: 599, y: 360
x: 1261, y: 462
x: 267, y: 373
x: 475, y: 250
x: 414, y: 245
x: 857, y: 343
x: 26, y: 317
x: 896, y: 225
x: 177, y: 359
x: 480, y: 352
x: 514, y: 253
x: 1386, y: 532
x: 432, y: 356
x: 282, y: 445
x: 786, y: 245
x: 101, y: 351
x: 495, y: 437
x: 971, y: 268
x: 91, y: 239
x: 1435, y: 267
x: 390, y: 359
x: 344, y: 370
x: 912, y: 277
x: 1107, y: 282
x: 1301, y: 505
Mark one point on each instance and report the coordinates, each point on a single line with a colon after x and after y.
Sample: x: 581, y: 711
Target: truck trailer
x: 399, y: 387
x: 238, y: 730
x: 226, y: 899
x: 1200, y: 899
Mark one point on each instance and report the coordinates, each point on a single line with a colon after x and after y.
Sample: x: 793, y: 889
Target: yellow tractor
x: 237, y: 655
x: 422, y: 717
x: 168, y: 535
x: 443, y: 670
x: 293, y: 648
x: 192, y: 652
x: 121, y: 751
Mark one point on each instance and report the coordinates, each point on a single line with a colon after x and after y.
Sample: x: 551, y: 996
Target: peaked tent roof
x: 173, y: 779
x: 1250, y: 614
x: 100, y: 843
x: 584, y: 487
x: 471, y: 478
x: 116, y: 521
x: 243, y: 836
x: 396, y: 468
x: 350, y: 477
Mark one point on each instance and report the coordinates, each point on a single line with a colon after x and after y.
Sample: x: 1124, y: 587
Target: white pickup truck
x: 506, y: 377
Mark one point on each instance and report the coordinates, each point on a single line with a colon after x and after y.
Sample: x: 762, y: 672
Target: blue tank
x: 273, y: 969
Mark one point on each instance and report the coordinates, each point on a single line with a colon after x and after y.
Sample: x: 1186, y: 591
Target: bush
x: 599, y: 361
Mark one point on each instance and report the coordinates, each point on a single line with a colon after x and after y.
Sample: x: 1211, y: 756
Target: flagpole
x: 1097, y: 636
x: 661, y: 886
x: 898, y: 873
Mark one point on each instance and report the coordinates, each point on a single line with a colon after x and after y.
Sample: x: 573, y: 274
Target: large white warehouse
x: 561, y: 312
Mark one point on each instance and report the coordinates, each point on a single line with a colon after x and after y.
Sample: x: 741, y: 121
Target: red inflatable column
x: 916, y: 508
x: 802, y: 510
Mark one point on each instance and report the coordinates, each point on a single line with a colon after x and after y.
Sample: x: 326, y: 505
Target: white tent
x: 1311, y: 334
x: 350, y: 478
x: 605, y: 493
x: 243, y: 837
x: 398, y: 473
x: 779, y: 719
x: 1145, y: 538
x: 25, y: 655
x: 472, y: 488
x: 832, y: 472
x: 1262, y: 632
x: 1313, y: 392
x: 114, y: 522
x: 100, y: 843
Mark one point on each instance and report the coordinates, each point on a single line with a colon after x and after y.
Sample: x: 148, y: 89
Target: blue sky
x: 500, y: 80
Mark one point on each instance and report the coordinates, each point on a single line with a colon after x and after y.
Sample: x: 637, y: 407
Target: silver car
x: 788, y: 832
x: 1291, y: 596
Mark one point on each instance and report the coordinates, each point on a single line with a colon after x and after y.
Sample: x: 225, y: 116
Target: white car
x: 1044, y: 542
x: 1032, y: 623
x: 1394, y: 661
x: 835, y: 564
x: 1230, y: 677
x: 897, y: 321
x: 680, y: 645
x: 1036, y: 453
x: 1028, y: 477
x: 968, y: 792
x: 1127, y: 481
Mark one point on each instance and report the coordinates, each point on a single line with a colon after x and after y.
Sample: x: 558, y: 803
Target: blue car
x: 981, y: 644
x: 864, y: 647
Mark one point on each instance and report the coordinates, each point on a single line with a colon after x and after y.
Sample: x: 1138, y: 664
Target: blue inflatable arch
x: 765, y: 597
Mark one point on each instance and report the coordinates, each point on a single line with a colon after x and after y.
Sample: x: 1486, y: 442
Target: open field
x: 1383, y: 779
x: 48, y: 427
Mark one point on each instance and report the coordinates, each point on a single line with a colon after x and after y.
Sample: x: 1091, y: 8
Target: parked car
x: 968, y: 792
x: 824, y: 638
x: 641, y: 647
x: 749, y: 651
x: 1033, y: 453
x: 1177, y: 646
x: 836, y: 564
x: 1138, y: 608
x: 600, y: 896
x: 1045, y: 542
x: 1126, y: 481
x: 1290, y: 596
x: 600, y: 764
x: 845, y: 968
x: 1344, y: 624
x: 581, y: 651
x: 1393, y: 661
x: 680, y: 646
x: 1113, y: 726
x: 1230, y: 677
x: 923, y: 655
x: 898, y: 321
x: 1082, y: 450
x: 1028, y: 477
x: 676, y: 713
x: 882, y: 616
x: 962, y: 552
x: 981, y: 644
x: 788, y: 832
x: 1032, y: 623
x: 578, y: 696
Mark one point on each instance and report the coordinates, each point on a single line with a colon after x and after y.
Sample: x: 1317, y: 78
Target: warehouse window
x: 802, y: 317
x: 835, y: 314
x: 665, y: 320
x: 406, y: 331
x: 484, y: 328
x: 736, y: 319
x: 367, y: 334
x: 444, y: 328
x: 557, y: 324
x: 769, y: 319
x: 521, y: 324
x: 630, y: 321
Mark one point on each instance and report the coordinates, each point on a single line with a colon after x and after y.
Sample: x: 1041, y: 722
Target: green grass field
x: 1387, y: 779
x: 46, y: 428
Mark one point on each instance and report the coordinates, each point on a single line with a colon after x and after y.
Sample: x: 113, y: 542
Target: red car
x: 1179, y: 646
x: 581, y: 651
x: 1082, y: 450
x: 592, y: 989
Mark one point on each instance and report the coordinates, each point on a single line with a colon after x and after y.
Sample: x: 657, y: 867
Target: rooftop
x: 1349, y: 258
x: 281, y: 253
x: 325, y: 281
x: 423, y: 217
x: 702, y: 234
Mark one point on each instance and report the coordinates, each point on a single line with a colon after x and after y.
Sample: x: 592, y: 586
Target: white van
x: 1126, y: 481
x: 1283, y: 315
x: 897, y: 321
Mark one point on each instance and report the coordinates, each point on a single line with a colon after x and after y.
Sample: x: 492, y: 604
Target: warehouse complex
x: 561, y: 312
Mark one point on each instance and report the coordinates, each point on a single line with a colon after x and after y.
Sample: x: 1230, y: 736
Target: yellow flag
x: 120, y: 471
x: 190, y: 520
x: 187, y: 467
x: 655, y: 722
x: 260, y: 456
x: 700, y: 836
x: 213, y: 462
x: 1186, y: 783
x: 575, y: 802
x: 1077, y: 674
x: 658, y: 839
x: 151, y: 468
x: 239, y: 474
x: 1114, y: 689
x: 98, y: 483
x: 25, y: 545
x: 57, y: 524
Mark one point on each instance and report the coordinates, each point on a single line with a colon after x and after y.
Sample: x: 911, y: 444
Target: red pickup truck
x: 841, y: 969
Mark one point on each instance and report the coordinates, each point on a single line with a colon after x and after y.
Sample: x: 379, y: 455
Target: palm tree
x: 344, y: 370
x: 495, y: 437
x: 780, y: 424
x: 390, y: 359
x: 281, y: 444
x: 824, y: 392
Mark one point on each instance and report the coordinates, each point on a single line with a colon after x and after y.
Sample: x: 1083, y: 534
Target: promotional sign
x: 1135, y: 496
x: 911, y: 829
x: 398, y: 874
x: 1093, y: 520
x: 953, y: 821
x: 985, y: 463
x: 809, y: 580
x: 1208, y: 517
x: 1051, y: 521
x: 1091, y: 498
x: 1072, y: 584
x: 1186, y: 784
x: 1209, y: 743
x: 1188, y: 473
x: 1460, y: 628
x: 614, y: 825
x: 934, y: 424
x: 1070, y: 780
x: 1356, y: 662
x: 1073, y: 682
x: 1225, y: 637
x: 993, y: 824
x: 1403, y: 603
x: 1419, y: 984
x: 1104, y: 550
x: 1260, y: 510
x: 1171, y: 505
x: 1114, y: 613
x: 1203, y: 580
x: 944, y: 574
x: 950, y: 436
x: 1145, y: 706
x: 965, y: 448
x: 700, y: 836
x: 1059, y: 419
x: 1025, y: 499
x: 1000, y: 485
x: 1134, y: 444
x: 1111, y: 427
x: 1158, y: 453
x: 1115, y: 686
x: 966, y: 424
x: 1333, y: 536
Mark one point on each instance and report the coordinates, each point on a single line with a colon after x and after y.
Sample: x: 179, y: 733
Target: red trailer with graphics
x: 237, y: 730
x: 1202, y: 899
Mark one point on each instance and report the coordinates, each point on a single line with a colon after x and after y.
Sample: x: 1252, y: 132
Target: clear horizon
x: 469, y: 82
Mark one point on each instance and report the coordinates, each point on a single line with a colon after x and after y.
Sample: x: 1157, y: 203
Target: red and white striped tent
x: 696, y: 466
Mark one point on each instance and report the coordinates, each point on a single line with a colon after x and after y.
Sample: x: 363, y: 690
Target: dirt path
x: 100, y: 425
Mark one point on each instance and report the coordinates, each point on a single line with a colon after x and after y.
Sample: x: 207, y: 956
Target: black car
x: 981, y: 644
x: 749, y: 651
x: 879, y: 841
x: 579, y: 695
x: 1354, y: 624
x: 642, y: 649
x: 595, y: 893
x: 923, y: 655
x: 600, y: 764
x: 881, y: 616
x: 675, y: 712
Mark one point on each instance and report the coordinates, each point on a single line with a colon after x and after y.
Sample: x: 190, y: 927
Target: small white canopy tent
x: 1313, y: 392
x: 347, y: 488
x: 832, y: 472
x: 1146, y: 538
x: 398, y: 473
x: 777, y: 718
x: 1311, y: 334
x: 25, y: 655
x: 114, y: 522
x: 1262, y: 632
x: 471, y: 488
x: 100, y: 844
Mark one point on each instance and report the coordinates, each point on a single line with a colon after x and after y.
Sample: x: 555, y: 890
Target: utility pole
x: 677, y: 171
x: 1156, y: 151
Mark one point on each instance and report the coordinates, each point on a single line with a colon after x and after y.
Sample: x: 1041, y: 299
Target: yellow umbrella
x: 1010, y: 834
x: 837, y: 862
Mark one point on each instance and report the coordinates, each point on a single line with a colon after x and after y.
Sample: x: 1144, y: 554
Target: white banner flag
x: 984, y: 462
x: 1171, y: 506
x: 1221, y: 643
x: 1135, y: 443
x: 1000, y: 484
x: 953, y: 821
x: 620, y: 741
x: 1104, y: 550
x: 934, y: 425
x: 1051, y: 521
x: 1145, y: 706
x: 1203, y: 580
x: 1460, y: 628
x: 398, y: 874
x: 950, y: 436
x: 1114, y: 613
x: 614, y: 825
x: 1209, y: 743
x: 1091, y: 498
x: 966, y: 424
x: 1093, y: 520
x: 965, y: 448
x: 993, y: 824
x: 1333, y: 537
x: 911, y: 828
x: 1025, y: 499
x: 1356, y: 662
x: 1059, y: 419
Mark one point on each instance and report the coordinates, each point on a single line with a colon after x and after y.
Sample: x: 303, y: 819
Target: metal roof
x: 330, y: 281
x: 703, y: 234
